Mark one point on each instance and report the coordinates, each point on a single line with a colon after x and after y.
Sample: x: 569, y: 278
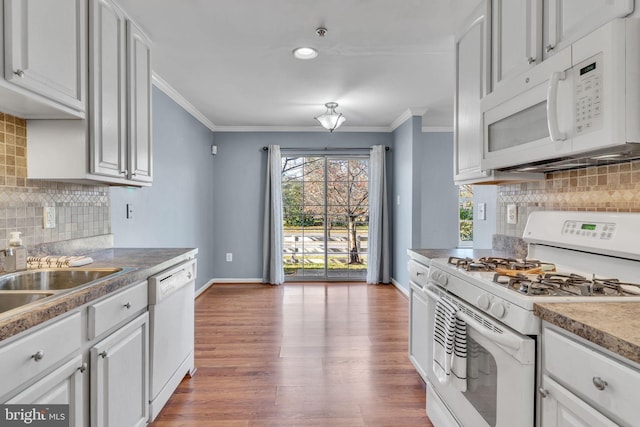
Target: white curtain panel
x: 272, y: 265
x: 378, y: 249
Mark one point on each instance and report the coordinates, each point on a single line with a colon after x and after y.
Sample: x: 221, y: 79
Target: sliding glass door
x: 326, y: 212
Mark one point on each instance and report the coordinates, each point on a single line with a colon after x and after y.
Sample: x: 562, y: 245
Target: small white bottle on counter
x: 19, y: 251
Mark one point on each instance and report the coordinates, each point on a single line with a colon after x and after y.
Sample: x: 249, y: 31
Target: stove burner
x: 558, y: 284
x: 492, y: 263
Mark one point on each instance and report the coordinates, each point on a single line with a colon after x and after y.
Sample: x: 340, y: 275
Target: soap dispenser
x: 19, y: 251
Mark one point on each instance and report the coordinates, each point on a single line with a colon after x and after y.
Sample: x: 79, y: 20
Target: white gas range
x: 572, y: 257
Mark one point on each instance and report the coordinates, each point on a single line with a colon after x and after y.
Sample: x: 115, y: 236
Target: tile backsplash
x: 81, y: 210
x: 613, y: 188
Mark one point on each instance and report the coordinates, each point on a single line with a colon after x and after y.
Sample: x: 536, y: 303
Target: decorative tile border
x: 612, y: 188
x: 81, y: 210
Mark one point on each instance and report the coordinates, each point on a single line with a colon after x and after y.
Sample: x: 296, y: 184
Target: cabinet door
x: 45, y: 45
x: 64, y: 386
x: 107, y: 83
x: 420, y: 350
x: 139, y: 123
x: 120, y: 377
x: 568, y: 20
x: 472, y: 83
x: 561, y: 408
x: 516, y: 37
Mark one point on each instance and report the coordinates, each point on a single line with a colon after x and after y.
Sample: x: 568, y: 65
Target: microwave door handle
x: 552, y: 107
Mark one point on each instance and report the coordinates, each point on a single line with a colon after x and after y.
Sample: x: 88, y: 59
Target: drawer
x: 30, y: 356
x: 418, y: 272
x: 117, y: 308
x: 580, y: 368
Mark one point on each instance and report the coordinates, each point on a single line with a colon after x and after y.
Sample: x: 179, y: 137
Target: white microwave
x: 579, y: 107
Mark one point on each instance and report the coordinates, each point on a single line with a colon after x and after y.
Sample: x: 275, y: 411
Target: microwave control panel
x: 588, y: 94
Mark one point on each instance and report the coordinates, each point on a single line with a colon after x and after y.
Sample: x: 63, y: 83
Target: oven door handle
x: 505, y: 340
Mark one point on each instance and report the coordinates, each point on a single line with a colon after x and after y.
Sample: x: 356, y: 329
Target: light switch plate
x: 512, y: 214
x: 482, y: 211
x: 49, y: 217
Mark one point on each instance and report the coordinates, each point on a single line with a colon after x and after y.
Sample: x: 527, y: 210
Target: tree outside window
x: 465, y: 220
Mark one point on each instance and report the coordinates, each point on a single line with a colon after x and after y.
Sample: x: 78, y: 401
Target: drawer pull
x: 83, y: 368
x: 103, y: 354
x: 599, y: 383
x: 38, y: 356
x: 419, y: 274
x: 543, y: 392
x: 127, y: 305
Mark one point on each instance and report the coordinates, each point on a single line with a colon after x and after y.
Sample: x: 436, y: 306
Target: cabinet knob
x: 38, y: 356
x: 83, y: 368
x: 599, y: 383
x: 543, y: 392
x: 103, y: 354
x: 548, y: 48
x: 123, y: 172
x: 531, y: 60
x: 128, y: 305
x: 19, y: 73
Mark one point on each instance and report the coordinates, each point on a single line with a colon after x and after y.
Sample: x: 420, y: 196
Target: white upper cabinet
x: 139, y: 112
x: 44, y: 58
x: 472, y: 81
x: 107, y: 82
x: 517, y: 37
x: 525, y: 32
x: 568, y: 20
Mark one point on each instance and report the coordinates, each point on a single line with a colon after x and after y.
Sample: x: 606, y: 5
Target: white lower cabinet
x: 420, y: 348
x: 561, y: 408
x: 64, y: 386
x: 120, y: 376
x: 583, y: 385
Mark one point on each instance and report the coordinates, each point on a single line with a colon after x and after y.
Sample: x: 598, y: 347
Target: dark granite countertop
x: 614, y: 326
x: 425, y: 255
x: 137, y: 265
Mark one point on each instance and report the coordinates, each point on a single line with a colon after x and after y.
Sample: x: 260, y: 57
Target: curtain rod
x: 324, y: 149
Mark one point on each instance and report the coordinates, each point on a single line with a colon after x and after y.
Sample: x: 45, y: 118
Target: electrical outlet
x: 512, y: 214
x: 49, y: 217
x: 229, y: 257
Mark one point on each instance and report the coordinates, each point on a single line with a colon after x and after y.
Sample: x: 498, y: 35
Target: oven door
x: 500, y: 372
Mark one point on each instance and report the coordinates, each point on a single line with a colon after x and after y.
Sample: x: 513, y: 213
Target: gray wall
x: 402, y: 201
x: 426, y: 216
x: 239, y: 182
x: 483, y: 230
x: 176, y: 211
x: 438, y: 195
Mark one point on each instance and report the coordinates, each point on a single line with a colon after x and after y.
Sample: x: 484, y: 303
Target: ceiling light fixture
x: 331, y: 120
x: 305, y: 53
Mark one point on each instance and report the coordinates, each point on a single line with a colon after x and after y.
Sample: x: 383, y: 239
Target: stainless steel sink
x: 11, y: 300
x: 52, y: 279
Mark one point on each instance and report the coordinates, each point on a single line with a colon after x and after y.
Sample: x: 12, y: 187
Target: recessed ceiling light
x: 305, y: 52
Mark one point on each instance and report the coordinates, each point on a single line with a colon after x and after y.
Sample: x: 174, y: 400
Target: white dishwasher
x: 171, y: 330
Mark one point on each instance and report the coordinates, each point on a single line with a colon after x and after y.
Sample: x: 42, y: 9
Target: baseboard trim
x: 203, y: 288
x: 401, y: 288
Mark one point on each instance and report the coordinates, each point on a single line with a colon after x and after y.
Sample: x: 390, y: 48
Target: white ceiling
x: 232, y: 59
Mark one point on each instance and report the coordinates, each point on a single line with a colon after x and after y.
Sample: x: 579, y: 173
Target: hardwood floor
x: 326, y: 354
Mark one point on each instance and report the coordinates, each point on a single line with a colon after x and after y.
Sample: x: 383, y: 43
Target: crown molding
x: 436, y: 129
x: 181, y: 101
x: 406, y: 115
x: 299, y: 129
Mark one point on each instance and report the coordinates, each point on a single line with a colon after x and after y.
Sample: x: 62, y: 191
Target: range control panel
x: 590, y: 230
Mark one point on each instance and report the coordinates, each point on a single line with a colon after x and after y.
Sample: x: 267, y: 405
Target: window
x: 326, y: 212
x: 465, y: 219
